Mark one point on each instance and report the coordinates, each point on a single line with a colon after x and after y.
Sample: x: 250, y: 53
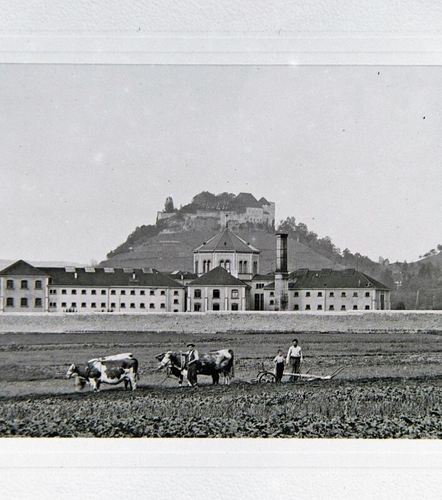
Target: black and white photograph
x: 202, y: 249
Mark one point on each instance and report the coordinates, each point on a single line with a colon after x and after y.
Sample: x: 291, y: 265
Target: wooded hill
x: 168, y: 246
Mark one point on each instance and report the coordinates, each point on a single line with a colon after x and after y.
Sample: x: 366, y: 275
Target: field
x: 391, y: 387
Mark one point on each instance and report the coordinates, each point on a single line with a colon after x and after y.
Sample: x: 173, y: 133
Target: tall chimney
x: 281, y: 274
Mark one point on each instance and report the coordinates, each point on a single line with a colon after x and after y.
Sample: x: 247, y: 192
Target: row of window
x: 331, y: 294
x: 216, y: 294
x: 330, y: 308
x: 242, y: 266
x: 64, y: 291
x: 24, y: 284
x: 197, y: 307
x: 24, y: 302
x: 112, y: 305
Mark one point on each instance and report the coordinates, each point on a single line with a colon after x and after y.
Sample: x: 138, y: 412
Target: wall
x: 370, y: 321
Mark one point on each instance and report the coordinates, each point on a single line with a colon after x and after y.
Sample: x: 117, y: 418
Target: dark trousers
x: 295, y: 365
x: 191, y: 374
x: 279, y: 371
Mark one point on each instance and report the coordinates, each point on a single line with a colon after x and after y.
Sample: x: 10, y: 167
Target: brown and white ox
x: 214, y: 364
x: 107, y: 370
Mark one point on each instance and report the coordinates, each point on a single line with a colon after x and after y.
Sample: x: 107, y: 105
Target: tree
x: 205, y: 200
x: 168, y: 205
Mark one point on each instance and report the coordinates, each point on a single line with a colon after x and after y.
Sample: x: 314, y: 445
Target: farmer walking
x: 294, y: 358
x: 192, y: 358
x: 279, y: 365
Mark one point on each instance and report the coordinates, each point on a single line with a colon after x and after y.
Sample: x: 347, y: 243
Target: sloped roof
x: 22, y: 268
x: 218, y: 276
x: 226, y: 241
x: 263, y: 201
x: 97, y: 276
x: 247, y: 200
x: 329, y: 278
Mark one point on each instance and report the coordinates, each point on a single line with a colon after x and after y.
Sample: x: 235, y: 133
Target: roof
x: 247, y: 200
x: 330, y: 278
x: 22, y: 268
x: 109, y: 276
x: 226, y: 241
x: 218, y: 276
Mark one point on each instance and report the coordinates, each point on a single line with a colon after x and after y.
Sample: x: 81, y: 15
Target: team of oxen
x: 124, y: 368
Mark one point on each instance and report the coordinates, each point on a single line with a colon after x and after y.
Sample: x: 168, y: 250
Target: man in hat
x: 191, y: 365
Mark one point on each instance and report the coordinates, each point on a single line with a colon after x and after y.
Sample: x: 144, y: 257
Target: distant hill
x: 174, y: 251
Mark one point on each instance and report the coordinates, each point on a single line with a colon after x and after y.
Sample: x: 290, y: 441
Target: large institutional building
x: 225, y: 278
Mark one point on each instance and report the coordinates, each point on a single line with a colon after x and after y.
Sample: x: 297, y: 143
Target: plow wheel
x: 267, y: 378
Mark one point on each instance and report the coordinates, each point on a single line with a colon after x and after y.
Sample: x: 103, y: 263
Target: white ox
x: 108, y: 370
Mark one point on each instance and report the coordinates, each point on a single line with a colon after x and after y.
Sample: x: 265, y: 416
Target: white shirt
x: 294, y: 352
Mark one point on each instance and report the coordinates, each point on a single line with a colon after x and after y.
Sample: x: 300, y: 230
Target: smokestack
x: 281, y: 274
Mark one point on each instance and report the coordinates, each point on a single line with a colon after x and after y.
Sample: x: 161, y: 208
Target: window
x: 343, y: 294
x: 94, y: 292
x: 296, y: 307
x: 123, y: 292
x: 272, y: 294
x: 83, y: 292
x: 319, y: 307
x: 216, y: 294
x: 103, y: 305
x: 113, y: 305
x: 307, y: 294
x: 197, y: 307
x: 38, y: 302
x: 355, y: 307
x: 73, y: 292
x: 272, y: 302
x: 176, y: 301
x: 83, y: 304
x: 319, y: 294
x: 197, y: 294
x: 259, y: 285
x: 163, y: 305
x: 123, y: 305
x: 64, y: 292
x: 228, y: 266
x: 142, y: 292
x: 221, y: 263
x: 307, y: 307
x: 355, y: 294
x: 343, y: 308
x: 142, y: 306
x: 73, y: 304
x: 63, y: 304
x: 244, y: 267
x: 296, y: 294
x: 24, y: 302
x: 235, y: 294
x: 10, y: 284
x: 38, y: 284
x: 103, y: 292
x: 255, y: 267
x: 94, y: 305
x: 331, y: 308
x: 215, y: 306
x: 332, y: 294
x: 235, y: 307
x: 113, y: 292
x: 196, y: 267
x: 132, y: 305
x: 52, y: 304
x: 367, y: 294
x: 367, y: 308
x: 151, y: 306
x: 152, y: 292
x: 52, y: 292
x: 132, y: 292
x: 24, y: 284
x: 163, y: 292
x: 175, y: 292
x: 10, y: 302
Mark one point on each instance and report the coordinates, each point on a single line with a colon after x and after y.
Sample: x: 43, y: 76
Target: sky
x: 90, y: 152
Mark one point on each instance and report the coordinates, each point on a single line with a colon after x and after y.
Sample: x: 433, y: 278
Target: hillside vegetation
x: 168, y: 245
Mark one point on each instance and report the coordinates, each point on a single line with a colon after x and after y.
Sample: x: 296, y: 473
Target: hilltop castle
x: 241, y: 209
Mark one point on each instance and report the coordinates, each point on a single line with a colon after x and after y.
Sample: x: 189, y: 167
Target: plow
x: 266, y: 377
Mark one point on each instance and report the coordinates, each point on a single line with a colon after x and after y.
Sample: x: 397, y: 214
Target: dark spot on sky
x: 423, y: 118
